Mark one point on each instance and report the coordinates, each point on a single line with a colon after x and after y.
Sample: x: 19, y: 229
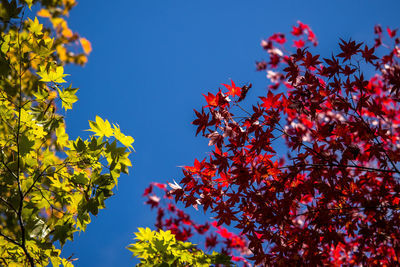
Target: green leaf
x: 80, y: 179
x: 25, y: 145
x: 4, y: 67
x: 93, y: 206
x: 63, y: 233
x: 5, y: 45
x: 79, y: 145
x: 41, y: 94
x: 160, y: 245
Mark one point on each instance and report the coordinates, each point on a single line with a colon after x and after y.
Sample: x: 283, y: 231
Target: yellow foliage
x: 62, y: 182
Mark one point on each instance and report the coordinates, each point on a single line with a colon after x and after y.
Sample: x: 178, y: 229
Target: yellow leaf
x: 57, y: 22
x: 38, y: 131
x: 87, y: 47
x: 52, y: 75
x: 101, y: 127
x: 104, y: 126
x: 68, y: 97
x: 29, y: 3
x: 62, y: 137
x: 25, y: 116
x: 124, y: 139
x: 67, y: 263
x: 35, y: 27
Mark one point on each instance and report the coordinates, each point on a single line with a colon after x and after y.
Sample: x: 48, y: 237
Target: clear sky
x: 151, y: 62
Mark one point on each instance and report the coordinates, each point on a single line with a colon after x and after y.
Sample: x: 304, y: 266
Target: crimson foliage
x: 334, y: 197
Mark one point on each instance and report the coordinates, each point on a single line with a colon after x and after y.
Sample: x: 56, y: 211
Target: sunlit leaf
x: 87, y: 47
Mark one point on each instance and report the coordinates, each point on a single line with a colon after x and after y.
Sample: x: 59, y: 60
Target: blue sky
x: 151, y: 62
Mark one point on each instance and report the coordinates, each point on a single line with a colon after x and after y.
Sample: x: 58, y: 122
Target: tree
x: 329, y: 193
x: 49, y: 184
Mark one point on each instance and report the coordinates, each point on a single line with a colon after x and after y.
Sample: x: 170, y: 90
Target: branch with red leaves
x: 169, y: 217
x: 332, y: 196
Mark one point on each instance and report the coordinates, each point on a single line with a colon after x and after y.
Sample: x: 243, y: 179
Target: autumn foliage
x: 310, y: 173
x: 50, y: 185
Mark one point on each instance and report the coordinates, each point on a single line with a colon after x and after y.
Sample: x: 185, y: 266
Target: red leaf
x: 298, y: 43
x: 233, y: 90
x: 392, y: 33
x: 212, y: 100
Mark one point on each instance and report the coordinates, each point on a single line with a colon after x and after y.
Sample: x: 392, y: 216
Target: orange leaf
x: 66, y: 32
x: 44, y: 13
x: 87, y: 47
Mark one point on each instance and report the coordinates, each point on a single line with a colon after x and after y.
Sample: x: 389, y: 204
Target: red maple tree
x: 334, y: 197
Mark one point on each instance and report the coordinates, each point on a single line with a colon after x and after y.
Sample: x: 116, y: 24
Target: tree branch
x: 21, y: 194
x: 9, y: 239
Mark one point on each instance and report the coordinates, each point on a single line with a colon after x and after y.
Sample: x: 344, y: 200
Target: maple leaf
x: 101, y: 127
x: 224, y: 233
x: 310, y: 61
x: 297, y: 30
x: 349, y: 49
x: 334, y: 66
x: 148, y: 190
x: 271, y: 101
x: 233, y: 90
x: 298, y: 43
x: 201, y: 121
x: 212, y: 100
x: 68, y: 97
x: 86, y: 45
x: 392, y: 33
x: 211, y: 241
x: 124, y: 139
x: 44, y: 13
x: 348, y: 71
x: 368, y: 54
x: 52, y: 75
x: 35, y: 27
x: 197, y: 168
x: 278, y: 37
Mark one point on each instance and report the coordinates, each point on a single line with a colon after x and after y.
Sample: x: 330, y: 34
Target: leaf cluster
x: 160, y: 248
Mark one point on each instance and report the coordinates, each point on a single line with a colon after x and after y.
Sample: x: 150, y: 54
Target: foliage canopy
x: 333, y: 198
